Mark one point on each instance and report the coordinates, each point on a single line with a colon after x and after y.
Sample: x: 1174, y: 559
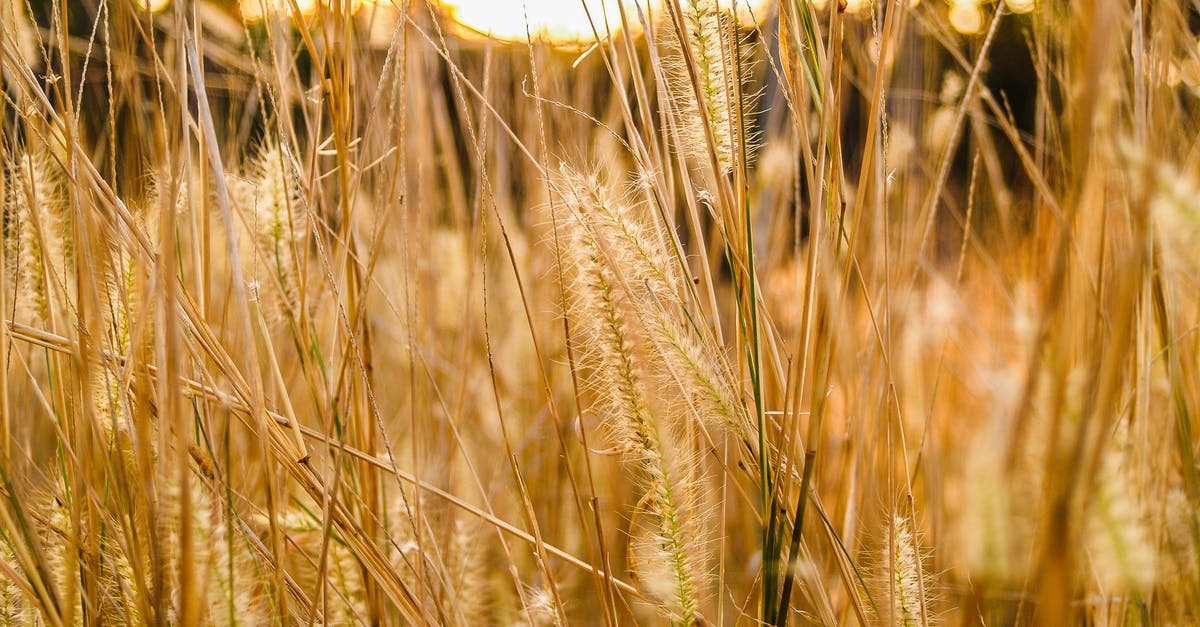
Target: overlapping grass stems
x: 806, y: 313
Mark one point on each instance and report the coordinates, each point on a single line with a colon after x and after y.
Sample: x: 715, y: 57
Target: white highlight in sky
x: 565, y: 22
x: 558, y: 21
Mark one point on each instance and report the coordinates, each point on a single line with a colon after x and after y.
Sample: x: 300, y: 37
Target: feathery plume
x: 342, y: 590
x: 905, y: 585
x: 712, y: 44
x: 468, y: 584
x: 1118, y: 537
x: 18, y: 24
x: 637, y: 253
x: 38, y: 242
x: 619, y: 378
x: 275, y: 230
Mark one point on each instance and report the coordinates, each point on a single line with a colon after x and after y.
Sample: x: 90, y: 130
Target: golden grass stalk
x: 620, y: 380
x: 39, y: 255
x: 637, y: 251
x: 229, y: 588
x: 904, y: 588
x: 275, y: 228
x: 711, y: 42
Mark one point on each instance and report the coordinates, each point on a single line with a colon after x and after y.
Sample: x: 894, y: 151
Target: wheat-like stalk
x: 638, y: 254
x: 1119, y: 545
x: 275, y: 228
x: 905, y: 584
x: 39, y: 254
x: 620, y: 379
x: 714, y: 50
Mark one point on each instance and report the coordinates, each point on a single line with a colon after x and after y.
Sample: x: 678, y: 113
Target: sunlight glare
x: 256, y: 10
x: 565, y: 22
x: 561, y: 22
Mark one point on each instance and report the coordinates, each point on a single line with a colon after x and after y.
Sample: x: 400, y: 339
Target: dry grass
x: 843, y: 318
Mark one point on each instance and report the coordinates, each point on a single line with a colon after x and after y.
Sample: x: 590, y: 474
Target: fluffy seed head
x: 38, y: 243
x: 16, y: 19
x: 275, y: 231
x: 606, y: 309
x: 712, y: 45
x: 905, y: 586
x: 342, y: 587
x: 631, y: 256
x: 1118, y: 537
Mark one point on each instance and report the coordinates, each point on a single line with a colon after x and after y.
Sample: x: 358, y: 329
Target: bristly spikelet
x: 618, y: 375
x: 1176, y: 209
x: 233, y: 575
x: 226, y: 571
x: 701, y: 378
x: 468, y: 583
x: 940, y: 125
x: 1000, y: 509
x: 109, y: 401
x: 122, y: 307
x: 902, y: 586
x: 641, y: 250
x: 637, y: 252
x: 276, y: 229
x: 602, y: 309
x: 128, y: 305
x: 37, y: 240
x: 18, y: 601
x: 1119, y: 540
x: 994, y: 537
x: 1174, y: 196
x: 224, y: 566
x: 540, y: 608
x: 342, y: 589
x: 1178, y: 554
x: 668, y: 556
x: 13, y: 604
x: 62, y: 543
x: 712, y: 44
x: 452, y: 578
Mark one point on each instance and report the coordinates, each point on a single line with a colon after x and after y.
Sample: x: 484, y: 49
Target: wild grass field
x: 878, y: 312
